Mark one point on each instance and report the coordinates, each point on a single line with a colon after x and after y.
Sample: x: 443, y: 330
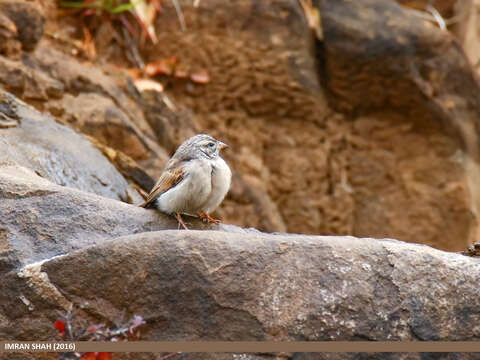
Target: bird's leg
x: 180, y: 221
x: 208, y: 218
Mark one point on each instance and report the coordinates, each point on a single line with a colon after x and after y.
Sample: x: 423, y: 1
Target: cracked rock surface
x: 217, y: 285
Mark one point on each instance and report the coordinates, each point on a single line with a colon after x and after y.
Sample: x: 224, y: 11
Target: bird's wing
x: 169, y: 179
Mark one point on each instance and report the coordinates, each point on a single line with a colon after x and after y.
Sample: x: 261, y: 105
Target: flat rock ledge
x: 217, y: 285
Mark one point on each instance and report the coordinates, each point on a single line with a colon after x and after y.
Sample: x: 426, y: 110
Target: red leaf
x: 60, y: 326
x: 89, y: 356
x: 104, y: 356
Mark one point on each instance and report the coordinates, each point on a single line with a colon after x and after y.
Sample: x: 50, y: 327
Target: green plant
x: 110, y: 6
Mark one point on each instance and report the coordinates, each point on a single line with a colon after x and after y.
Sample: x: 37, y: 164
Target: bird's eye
x: 211, y: 144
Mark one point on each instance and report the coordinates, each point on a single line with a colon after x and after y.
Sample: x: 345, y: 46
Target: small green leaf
x: 81, y: 5
x: 125, y: 7
x: 121, y: 8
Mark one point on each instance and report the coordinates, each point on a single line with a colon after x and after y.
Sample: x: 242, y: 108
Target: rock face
x: 421, y: 67
x: 319, y: 165
x: 28, y: 21
x: 55, y: 152
x: 372, y: 65
x: 218, y: 285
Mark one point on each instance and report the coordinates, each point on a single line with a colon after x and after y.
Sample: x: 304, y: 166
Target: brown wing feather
x: 170, y: 178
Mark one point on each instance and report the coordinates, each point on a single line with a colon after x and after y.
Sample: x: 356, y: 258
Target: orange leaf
x: 88, y: 43
x: 161, y: 67
x: 134, y: 73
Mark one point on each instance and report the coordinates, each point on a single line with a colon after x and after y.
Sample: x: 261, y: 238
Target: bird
x: 194, y: 182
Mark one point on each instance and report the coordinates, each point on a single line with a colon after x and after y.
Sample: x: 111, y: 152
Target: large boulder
x: 246, y: 285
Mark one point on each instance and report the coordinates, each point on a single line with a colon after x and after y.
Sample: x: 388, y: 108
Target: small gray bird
x: 194, y: 181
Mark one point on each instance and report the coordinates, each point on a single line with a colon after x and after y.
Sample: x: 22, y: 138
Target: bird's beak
x: 222, y: 145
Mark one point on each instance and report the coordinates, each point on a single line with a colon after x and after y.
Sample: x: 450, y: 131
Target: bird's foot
x: 205, y: 217
x: 180, y: 221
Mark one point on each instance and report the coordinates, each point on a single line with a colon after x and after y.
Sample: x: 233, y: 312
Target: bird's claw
x: 207, y: 218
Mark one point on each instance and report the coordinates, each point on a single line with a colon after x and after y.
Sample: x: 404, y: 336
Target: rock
x: 56, y: 152
x: 86, y: 98
x: 216, y: 285
x: 9, y: 44
x: 130, y: 169
x: 83, y: 77
x: 245, y: 192
x: 98, y: 116
x: 422, y: 67
x: 40, y: 219
x: 97, y: 103
x: 28, y: 19
x: 459, y: 17
x: 29, y: 84
x: 426, y: 89
x: 172, y: 127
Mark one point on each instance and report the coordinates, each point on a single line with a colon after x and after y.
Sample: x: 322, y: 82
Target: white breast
x: 191, y: 193
x: 221, y: 180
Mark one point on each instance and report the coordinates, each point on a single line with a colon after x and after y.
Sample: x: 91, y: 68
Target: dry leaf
x: 146, y: 13
x: 88, y: 44
x: 312, y: 14
x: 134, y: 73
x: 147, y: 84
x: 161, y: 67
